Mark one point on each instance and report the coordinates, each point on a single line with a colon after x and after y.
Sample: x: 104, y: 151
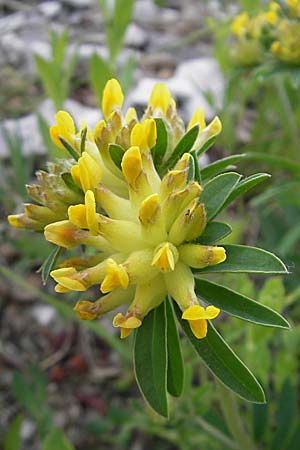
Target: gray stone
x: 135, y: 37
x: 44, y: 314
x: 12, y: 22
x: 147, y: 13
x: 12, y: 50
x: 28, y: 129
x: 188, y: 86
x: 50, y: 9
x: 192, y: 80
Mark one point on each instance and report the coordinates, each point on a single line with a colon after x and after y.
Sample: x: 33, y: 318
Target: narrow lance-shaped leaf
x: 49, y: 263
x: 150, y: 359
x: 216, y: 192
x: 244, y: 259
x: 218, y: 166
x: 116, y: 152
x: 245, y: 185
x: 175, y: 371
x: 184, y: 145
x: 238, y: 305
x: 160, y: 148
x: 213, y: 232
x: 224, y: 363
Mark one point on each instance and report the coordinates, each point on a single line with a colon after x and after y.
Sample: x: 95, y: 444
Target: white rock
x: 43, y: 314
x: 12, y: 22
x: 188, y: 86
x: 135, y: 36
x: 28, y: 129
x: 50, y: 9
x: 194, y: 78
x: 146, y: 12
x: 27, y: 429
x: 11, y: 50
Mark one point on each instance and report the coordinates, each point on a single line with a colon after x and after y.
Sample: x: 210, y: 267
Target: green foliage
x: 12, y: 439
x: 56, y: 440
x: 100, y: 70
x: 150, y: 359
x: 55, y: 73
x: 245, y: 259
x: 30, y: 391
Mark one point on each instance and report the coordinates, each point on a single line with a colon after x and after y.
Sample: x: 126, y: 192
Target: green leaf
x: 12, y: 439
x: 245, y: 185
x: 116, y: 153
x: 260, y: 421
x: 197, y: 175
x: 69, y: 148
x: 56, y: 440
x: 216, y: 192
x: 127, y: 73
x: 220, y: 165
x: 224, y: 363
x: 238, y: 305
x: 99, y: 73
x: 244, y: 259
x: 206, y: 146
x: 184, y: 146
x: 150, y: 359
x: 191, y: 171
x: 213, y: 232
x: 69, y: 182
x: 83, y: 139
x: 276, y: 161
x: 175, y: 372
x: 49, y: 263
x: 285, y: 415
x: 160, y: 148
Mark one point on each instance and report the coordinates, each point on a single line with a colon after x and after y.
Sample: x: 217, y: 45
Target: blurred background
x: 66, y: 385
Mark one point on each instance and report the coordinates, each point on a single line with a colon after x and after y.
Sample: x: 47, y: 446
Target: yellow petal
x: 54, y: 134
x: 126, y: 321
x: 144, y: 134
x: 196, y: 312
x: 160, y: 98
x: 86, y: 310
x: 197, y: 119
x: 112, y: 97
x: 77, y: 215
x: 132, y: 165
x: 199, y: 328
x: 65, y: 124
x: 66, y: 277
x: 165, y: 257
x: 116, y: 276
x: 149, y: 209
x: 91, y: 215
x: 90, y: 172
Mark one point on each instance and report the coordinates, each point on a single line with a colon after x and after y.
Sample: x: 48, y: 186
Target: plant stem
x: 233, y: 418
x: 289, y: 113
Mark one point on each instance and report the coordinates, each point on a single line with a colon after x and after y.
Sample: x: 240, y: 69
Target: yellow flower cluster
x: 139, y: 227
x: 274, y: 33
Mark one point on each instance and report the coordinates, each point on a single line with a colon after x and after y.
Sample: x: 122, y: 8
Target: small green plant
x: 116, y: 21
x: 55, y: 73
x: 154, y: 242
x: 30, y: 391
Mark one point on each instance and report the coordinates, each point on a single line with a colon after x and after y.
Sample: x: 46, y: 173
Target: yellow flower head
x: 141, y: 226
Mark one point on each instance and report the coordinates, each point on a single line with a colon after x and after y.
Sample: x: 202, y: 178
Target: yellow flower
x: 140, y: 228
x: 197, y: 317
